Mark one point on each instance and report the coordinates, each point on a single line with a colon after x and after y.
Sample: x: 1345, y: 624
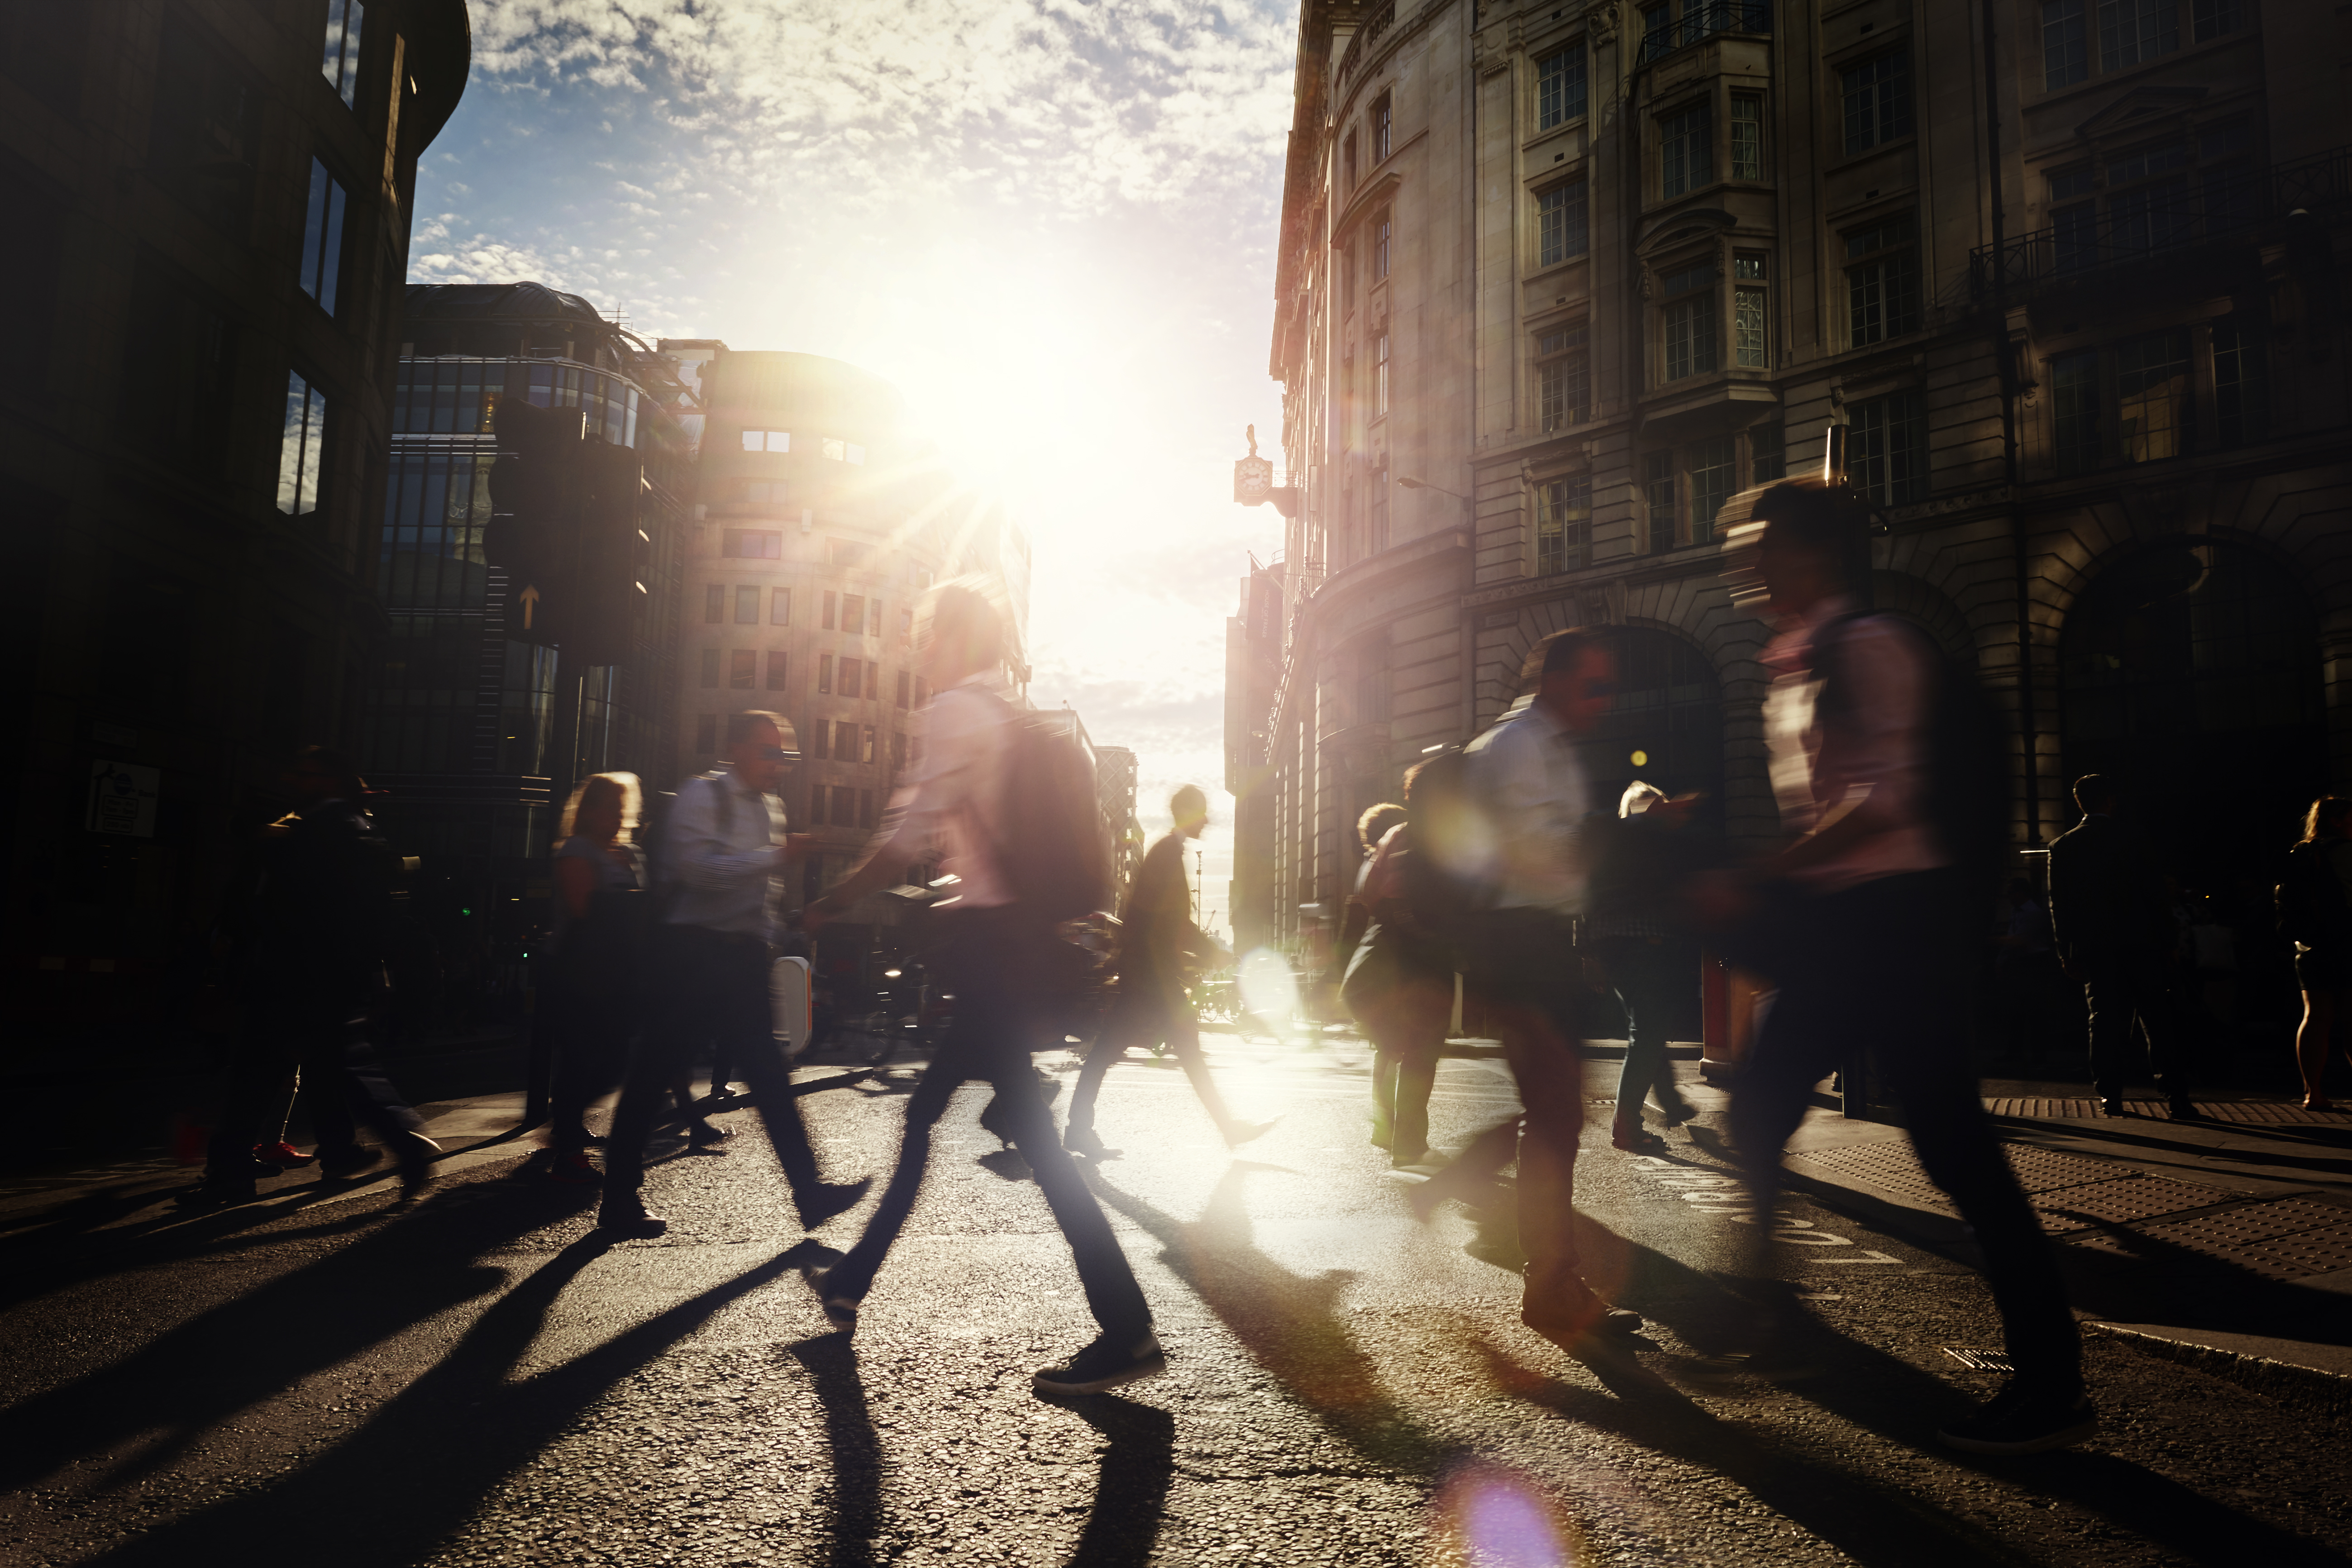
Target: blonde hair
x: 632, y: 803
x: 1639, y: 797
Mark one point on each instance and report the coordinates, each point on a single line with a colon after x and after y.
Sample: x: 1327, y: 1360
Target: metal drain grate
x: 2286, y: 1238
x: 2121, y: 1201
x: 1981, y: 1361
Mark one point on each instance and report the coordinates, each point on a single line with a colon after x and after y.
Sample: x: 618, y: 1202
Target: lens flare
x: 1488, y: 1516
x: 1268, y: 988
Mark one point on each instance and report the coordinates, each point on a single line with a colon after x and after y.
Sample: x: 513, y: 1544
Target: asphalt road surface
x: 330, y: 1380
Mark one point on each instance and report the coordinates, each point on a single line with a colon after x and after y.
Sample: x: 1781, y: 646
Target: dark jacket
x: 314, y: 910
x: 2106, y: 896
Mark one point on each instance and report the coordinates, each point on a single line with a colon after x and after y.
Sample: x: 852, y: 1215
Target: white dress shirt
x: 1527, y: 768
x: 719, y: 850
x: 953, y: 799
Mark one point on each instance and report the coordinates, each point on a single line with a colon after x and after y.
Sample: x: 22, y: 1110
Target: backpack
x: 1055, y: 855
x: 2312, y: 909
x: 1448, y: 880
x: 1967, y: 778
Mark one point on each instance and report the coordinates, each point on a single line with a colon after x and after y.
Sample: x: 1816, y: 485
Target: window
x: 2065, y: 55
x: 1713, y: 478
x: 2074, y: 226
x: 1563, y: 377
x: 1348, y: 274
x: 1887, y: 449
x: 299, y: 448
x: 779, y: 607
x: 1685, y: 152
x: 904, y: 683
x: 824, y: 674
x: 1383, y: 126
x: 1382, y: 233
x: 743, y: 668
x: 1564, y: 525
x: 838, y: 450
x: 1765, y: 454
x: 832, y: 602
x: 2241, y: 389
x: 1878, y: 101
x: 1348, y: 158
x: 340, y: 63
x: 1560, y: 87
x: 853, y: 675
x: 706, y: 735
x: 844, y: 742
x: 778, y: 670
x: 1658, y: 489
x: 1750, y: 313
x: 1746, y: 138
x: 1882, y: 293
x: 2232, y: 191
x: 874, y: 679
x: 714, y: 603
x: 752, y: 544
x: 767, y: 440
x: 322, y: 237
x: 747, y: 604
x: 710, y: 666
x: 2152, y: 395
x: 2148, y: 204
x: 2131, y: 31
x: 1689, y: 322
x: 2212, y: 18
x: 1561, y: 228
x: 1381, y: 376
x: 853, y: 613
x: 2074, y: 410
x: 865, y: 752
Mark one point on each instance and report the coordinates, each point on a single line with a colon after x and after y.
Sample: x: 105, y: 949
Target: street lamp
x: 1409, y: 482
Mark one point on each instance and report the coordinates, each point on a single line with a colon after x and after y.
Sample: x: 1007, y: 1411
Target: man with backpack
x: 2109, y: 917
x: 1499, y: 877
x: 1885, y: 765
x: 1156, y: 943
x: 719, y: 870
x: 1012, y: 803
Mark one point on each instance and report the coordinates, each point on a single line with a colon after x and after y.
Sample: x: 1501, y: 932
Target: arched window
x: 2190, y: 672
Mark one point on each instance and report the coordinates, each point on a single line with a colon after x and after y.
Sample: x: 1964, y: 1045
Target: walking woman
x: 589, y: 997
x: 1398, y: 987
x: 2314, y: 901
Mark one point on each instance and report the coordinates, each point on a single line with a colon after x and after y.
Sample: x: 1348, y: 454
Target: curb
x: 2303, y: 1387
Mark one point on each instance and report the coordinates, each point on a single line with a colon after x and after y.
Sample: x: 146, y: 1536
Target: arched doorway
x: 1666, y: 725
x: 2190, y: 671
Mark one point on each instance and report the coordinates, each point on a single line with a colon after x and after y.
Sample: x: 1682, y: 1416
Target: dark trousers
x: 1407, y: 1029
x: 592, y: 1029
x: 707, y: 985
x: 989, y: 1038
x: 342, y: 1083
x: 1878, y: 974
x: 2131, y: 1000
x: 1140, y: 1023
x: 1645, y: 975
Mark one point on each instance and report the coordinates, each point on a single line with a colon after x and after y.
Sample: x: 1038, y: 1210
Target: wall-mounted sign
x: 122, y: 798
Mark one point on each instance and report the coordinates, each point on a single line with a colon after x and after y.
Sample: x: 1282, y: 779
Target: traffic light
x: 568, y: 526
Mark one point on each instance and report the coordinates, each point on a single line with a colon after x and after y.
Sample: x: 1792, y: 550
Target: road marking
x: 1712, y: 1190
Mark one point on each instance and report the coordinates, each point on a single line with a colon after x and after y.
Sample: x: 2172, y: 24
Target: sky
x: 1050, y: 223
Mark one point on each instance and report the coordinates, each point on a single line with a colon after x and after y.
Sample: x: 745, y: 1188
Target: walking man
x: 309, y: 917
x: 1516, y: 957
x: 2107, y: 914
x: 723, y: 855
x: 994, y: 957
x: 1158, y: 942
x: 1866, y: 922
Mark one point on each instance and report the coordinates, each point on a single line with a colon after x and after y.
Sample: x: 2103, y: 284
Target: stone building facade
x: 1557, y: 283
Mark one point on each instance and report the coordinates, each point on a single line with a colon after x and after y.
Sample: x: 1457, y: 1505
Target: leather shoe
x: 630, y: 1219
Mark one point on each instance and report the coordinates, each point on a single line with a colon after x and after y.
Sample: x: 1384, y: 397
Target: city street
x: 481, y: 1380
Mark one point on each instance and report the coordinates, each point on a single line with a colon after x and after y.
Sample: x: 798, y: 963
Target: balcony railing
x: 2133, y: 232
x: 1704, y: 20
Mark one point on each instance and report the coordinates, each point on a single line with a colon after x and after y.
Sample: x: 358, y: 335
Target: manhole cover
x: 1981, y: 1361
x: 2132, y: 1198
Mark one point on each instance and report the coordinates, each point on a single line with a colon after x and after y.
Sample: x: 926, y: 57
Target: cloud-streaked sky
x: 1051, y: 223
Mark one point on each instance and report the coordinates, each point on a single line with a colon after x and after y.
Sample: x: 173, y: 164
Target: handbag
x: 1373, y: 974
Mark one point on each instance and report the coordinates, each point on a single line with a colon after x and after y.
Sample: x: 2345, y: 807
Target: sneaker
x: 829, y: 1199
x: 1106, y: 1363
x: 2023, y: 1421
x: 573, y: 1169
x: 629, y: 1219
x: 282, y: 1154
x: 1086, y: 1141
